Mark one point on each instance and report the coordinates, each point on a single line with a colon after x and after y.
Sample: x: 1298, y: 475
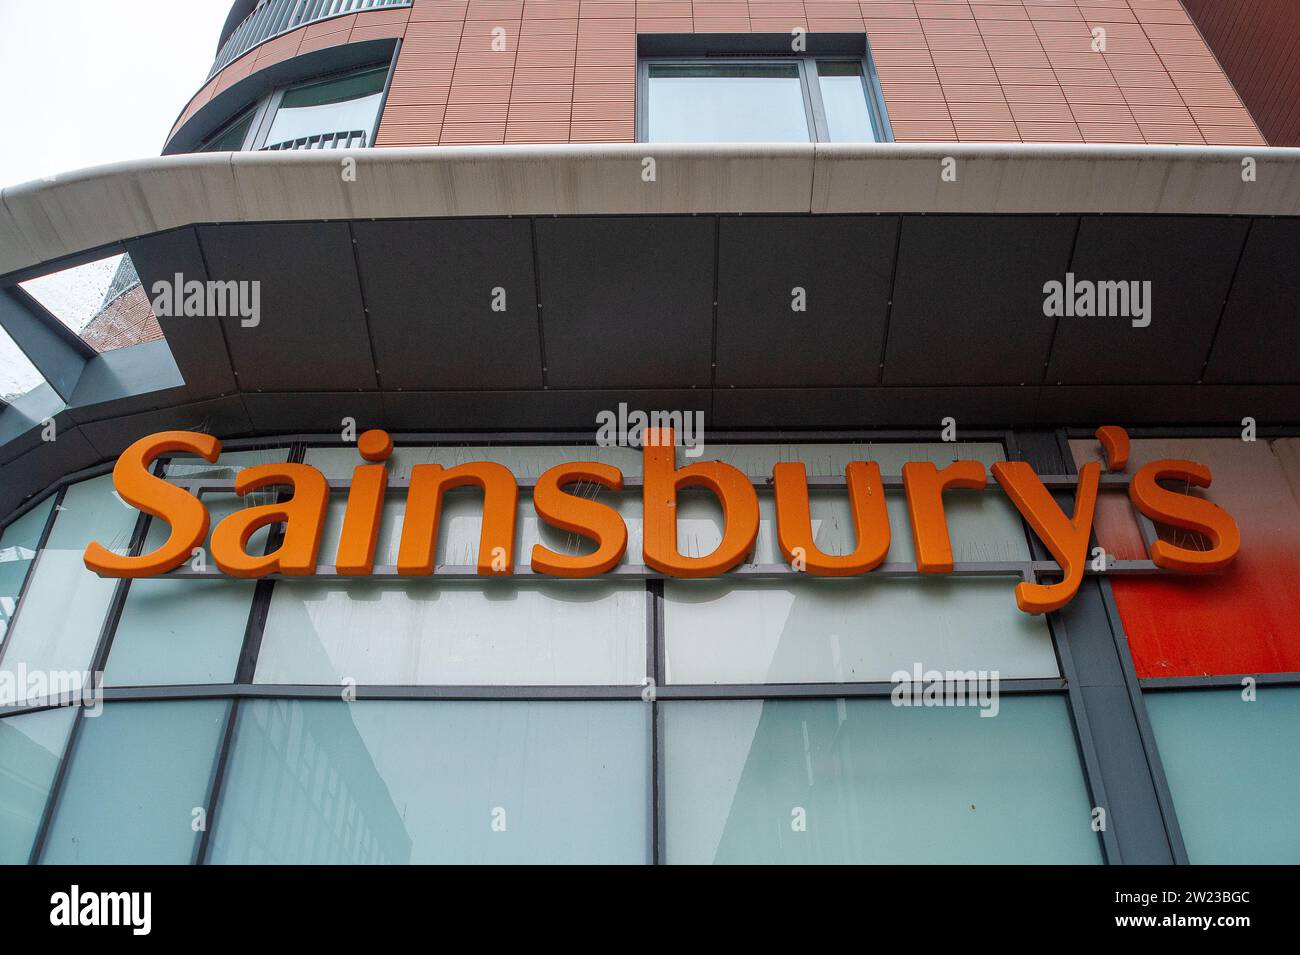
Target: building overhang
x: 664, y: 276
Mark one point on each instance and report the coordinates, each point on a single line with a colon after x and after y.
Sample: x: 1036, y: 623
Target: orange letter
x: 1066, y: 538
x: 1189, y: 513
x: 925, y: 485
x: 569, y: 512
x: 185, y: 513
x: 663, y: 479
x: 303, y: 514
x: 356, y: 553
x: 429, y: 482
x: 870, y: 520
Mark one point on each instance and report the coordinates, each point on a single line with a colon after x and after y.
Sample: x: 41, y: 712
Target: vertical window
x: 865, y: 781
x: 31, y: 746
x: 18, y: 546
x: 324, y: 781
x: 1233, y: 770
x: 138, y: 773
x: 761, y: 100
x: 230, y: 139
x: 336, y: 112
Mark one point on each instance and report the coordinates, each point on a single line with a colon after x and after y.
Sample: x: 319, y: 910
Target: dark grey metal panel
x: 312, y: 332
x: 45, y: 463
x: 1259, y: 336
x: 127, y: 380
x: 1189, y: 261
x: 224, y: 417
x: 20, y: 422
x: 197, y: 344
x: 627, y: 302
x: 872, y: 407
x: 844, y: 264
x: 314, y: 412
x: 43, y: 340
x: 529, y: 410
x: 429, y: 290
x: 1117, y: 757
x: 968, y: 298
x: 1093, y: 405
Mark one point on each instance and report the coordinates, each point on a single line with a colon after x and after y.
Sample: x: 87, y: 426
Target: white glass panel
x: 716, y: 103
x: 1234, y: 770
x: 31, y: 746
x: 189, y: 631
x: 18, y: 376
x: 864, y: 781
x: 844, y: 96
x: 859, y: 629
x: 343, y: 105
x: 422, y: 631
x: 59, y: 623
x: 429, y: 782
x: 138, y: 773
x: 18, y: 547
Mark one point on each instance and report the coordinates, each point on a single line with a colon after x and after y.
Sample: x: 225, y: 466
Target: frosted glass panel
x: 138, y: 772
x: 870, y: 782
x: 726, y: 103
x: 18, y: 546
x: 430, y: 782
x: 423, y: 631
x: 31, y: 746
x: 1234, y: 770
x: 59, y: 624
x: 189, y: 631
x: 858, y: 629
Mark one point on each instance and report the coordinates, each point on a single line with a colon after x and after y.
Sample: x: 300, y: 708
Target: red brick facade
x: 951, y: 70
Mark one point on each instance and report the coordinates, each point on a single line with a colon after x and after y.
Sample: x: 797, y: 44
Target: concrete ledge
x: 47, y: 220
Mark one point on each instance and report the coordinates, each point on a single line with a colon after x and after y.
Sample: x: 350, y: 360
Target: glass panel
x: 1239, y: 620
x: 102, y: 301
x: 864, y: 781
x: 58, y: 627
x: 844, y: 96
x: 726, y: 103
x: 430, y: 782
x: 857, y: 629
x: 340, y: 105
x: 1234, y: 770
x: 189, y: 631
x: 31, y: 746
x: 18, y: 376
x: 18, y: 546
x: 231, y: 139
x: 138, y: 773
x: 417, y: 632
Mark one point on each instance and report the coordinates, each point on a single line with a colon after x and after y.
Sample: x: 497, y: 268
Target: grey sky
x: 84, y: 82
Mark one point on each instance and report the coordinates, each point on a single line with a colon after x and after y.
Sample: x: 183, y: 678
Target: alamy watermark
x: 978, y: 688
x: 1084, y: 298
x: 625, y: 429
x: 194, y: 299
x: 20, y: 685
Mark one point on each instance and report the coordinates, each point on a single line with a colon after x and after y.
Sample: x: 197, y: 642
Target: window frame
x: 264, y: 110
x: 809, y: 82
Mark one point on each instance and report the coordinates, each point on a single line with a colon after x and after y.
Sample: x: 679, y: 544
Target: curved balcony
x: 275, y: 17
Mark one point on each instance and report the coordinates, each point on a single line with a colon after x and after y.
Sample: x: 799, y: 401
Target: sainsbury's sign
x: 303, y: 515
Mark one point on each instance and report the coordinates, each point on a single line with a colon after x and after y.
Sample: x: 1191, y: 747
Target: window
x: 1233, y: 769
x: 760, y: 100
x: 340, y: 112
x: 864, y: 781
x: 323, y: 781
x: 31, y: 746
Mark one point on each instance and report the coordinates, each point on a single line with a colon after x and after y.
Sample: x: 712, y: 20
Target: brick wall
x: 1002, y: 70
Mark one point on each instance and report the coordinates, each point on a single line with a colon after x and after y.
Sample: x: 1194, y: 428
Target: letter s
x: 1190, y: 513
x: 185, y: 513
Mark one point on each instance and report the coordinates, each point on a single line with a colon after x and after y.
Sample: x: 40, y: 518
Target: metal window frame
x: 1089, y: 738
x: 809, y: 82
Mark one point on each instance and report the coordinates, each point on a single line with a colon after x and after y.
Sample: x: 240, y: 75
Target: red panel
x: 1244, y: 620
